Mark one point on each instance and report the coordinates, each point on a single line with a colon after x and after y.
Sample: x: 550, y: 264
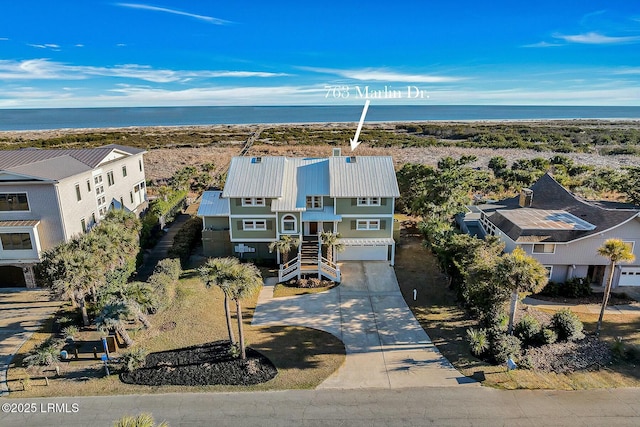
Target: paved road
x: 386, y: 346
x: 450, y: 406
x: 22, y: 311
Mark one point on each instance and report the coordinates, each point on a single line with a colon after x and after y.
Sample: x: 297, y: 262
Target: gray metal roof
x: 211, y: 204
x: 249, y: 178
x: 302, y: 178
x: 58, y: 164
x: 367, y: 176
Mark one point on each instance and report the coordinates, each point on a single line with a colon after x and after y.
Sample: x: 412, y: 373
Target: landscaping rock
x: 563, y: 357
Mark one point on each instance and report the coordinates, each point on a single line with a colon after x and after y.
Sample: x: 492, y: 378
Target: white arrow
x: 354, y: 142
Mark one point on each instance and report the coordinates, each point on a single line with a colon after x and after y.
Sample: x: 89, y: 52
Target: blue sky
x: 94, y: 53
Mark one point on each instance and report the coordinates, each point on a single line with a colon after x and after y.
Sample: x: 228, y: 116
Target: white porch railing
x: 289, y: 270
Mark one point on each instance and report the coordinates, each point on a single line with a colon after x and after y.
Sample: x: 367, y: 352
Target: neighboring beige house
x: 265, y: 198
x: 48, y: 196
x: 562, y: 231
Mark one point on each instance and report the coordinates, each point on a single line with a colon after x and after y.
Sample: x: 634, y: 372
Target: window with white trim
x: 629, y: 245
x: 254, y: 224
x: 289, y: 224
x: 368, y: 224
x: 14, y: 202
x: 314, y: 202
x: 252, y: 201
x: 110, y: 179
x: 78, y: 194
x: 16, y: 241
x: 368, y: 201
x: 124, y: 171
x: 549, y: 269
x: 544, y: 248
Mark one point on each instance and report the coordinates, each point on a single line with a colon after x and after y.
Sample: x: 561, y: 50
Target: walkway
x: 22, y: 312
x: 386, y: 346
x: 159, y: 251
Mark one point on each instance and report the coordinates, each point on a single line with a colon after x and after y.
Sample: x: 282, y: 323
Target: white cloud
x: 205, y: 18
x: 4, y: 39
x: 370, y: 74
x: 44, y: 69
x: 542, y: 44
x: 596, y: 38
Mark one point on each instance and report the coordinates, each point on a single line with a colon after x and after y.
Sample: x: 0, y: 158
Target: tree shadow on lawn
x: 292, y: 347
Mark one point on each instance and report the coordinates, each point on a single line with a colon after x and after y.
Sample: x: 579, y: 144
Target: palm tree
x: 221, y: 272
x: 284, y: 246
x: 518, y: 272
x: 142, y: 420
x: 330, y: 240
x: 114, y: 316
x: 247, y: 282
x: 617, y: 251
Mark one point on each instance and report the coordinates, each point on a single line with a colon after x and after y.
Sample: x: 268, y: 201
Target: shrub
x: 497, y: 324
x: 45, y: 354
x: 551, y: 289
x: 548, y: 336
x: 623, y: 351
x: 478, y: 341
x: 527, y: 329
x: 70, y: 331
x: 134, y: 359
x: 189, y: 235
x: 163, y: 281
x: 576, y: 288
x: 505, y: 347
x: 170, y: 267
x: 525, y: 362
x: 567, y: 325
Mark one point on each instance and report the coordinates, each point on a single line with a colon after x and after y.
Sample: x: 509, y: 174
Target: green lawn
x: 304, y: 357
x: 446, y: 323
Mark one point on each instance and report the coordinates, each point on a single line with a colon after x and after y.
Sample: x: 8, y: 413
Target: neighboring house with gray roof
x: 48, y: 196
x: 562, y: 231
x: 265, y: 198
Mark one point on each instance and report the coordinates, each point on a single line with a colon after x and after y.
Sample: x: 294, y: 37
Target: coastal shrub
x: 576, y: 288
x: 527, y: 329
x: 163, y: 282
x: 478, y: 341
x: 187, y: 238
x: 505, y: 347
x: 70, y: 331
x: 45, y: 354
x: 567, y: 325
x: 134, y: 359
x: 551, y: 289
x: 548, y: 336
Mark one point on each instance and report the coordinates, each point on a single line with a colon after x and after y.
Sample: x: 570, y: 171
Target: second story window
x: 368, y: 201
x: 124, y: 171
x: 89, y: 186
x: 314, y: 202
x: 368, y: 224
x: 253, y: 201
x: 110, y: 179
x: 15, y: 241
x: 78, y: 195
x: 13, y: 202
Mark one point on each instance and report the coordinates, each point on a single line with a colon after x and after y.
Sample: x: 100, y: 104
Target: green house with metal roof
x: 266, y: 198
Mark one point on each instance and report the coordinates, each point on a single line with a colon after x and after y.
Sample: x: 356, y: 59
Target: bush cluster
x: 574, y: 288
x: 163, y: 281
x: 310, y: 283
x: 187, y: 238
x: 495, y: 344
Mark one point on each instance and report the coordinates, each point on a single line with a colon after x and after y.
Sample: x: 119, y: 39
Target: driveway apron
x: 21, y: 314
x: 385, y: 345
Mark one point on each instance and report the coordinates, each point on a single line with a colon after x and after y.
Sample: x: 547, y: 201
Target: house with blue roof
x: 266, y: 198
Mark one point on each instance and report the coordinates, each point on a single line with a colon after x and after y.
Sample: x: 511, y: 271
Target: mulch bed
x: 208, y: 364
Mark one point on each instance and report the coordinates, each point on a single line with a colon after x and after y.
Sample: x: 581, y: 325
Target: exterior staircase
x: 309, y: 261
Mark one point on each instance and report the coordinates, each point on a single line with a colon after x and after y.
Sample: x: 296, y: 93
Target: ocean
x: 75, y: 118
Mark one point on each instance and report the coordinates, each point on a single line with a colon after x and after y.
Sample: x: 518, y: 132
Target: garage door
x: 629, y: 276
x: 364, y: 253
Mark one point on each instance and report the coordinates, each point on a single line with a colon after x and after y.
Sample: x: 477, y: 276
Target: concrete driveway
x: 386, y: 346
x: 22, y: 312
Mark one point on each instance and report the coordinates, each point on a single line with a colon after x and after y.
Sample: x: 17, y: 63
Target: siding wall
x: 238, y: 234
x: 346, y: 228
x: 236, y: 208
x: 215, y: 223
x: 43, y: 205
x: 349, y: 206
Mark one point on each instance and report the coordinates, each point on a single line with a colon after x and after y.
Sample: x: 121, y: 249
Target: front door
x: 311, y: 229
x: 595, y: 274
